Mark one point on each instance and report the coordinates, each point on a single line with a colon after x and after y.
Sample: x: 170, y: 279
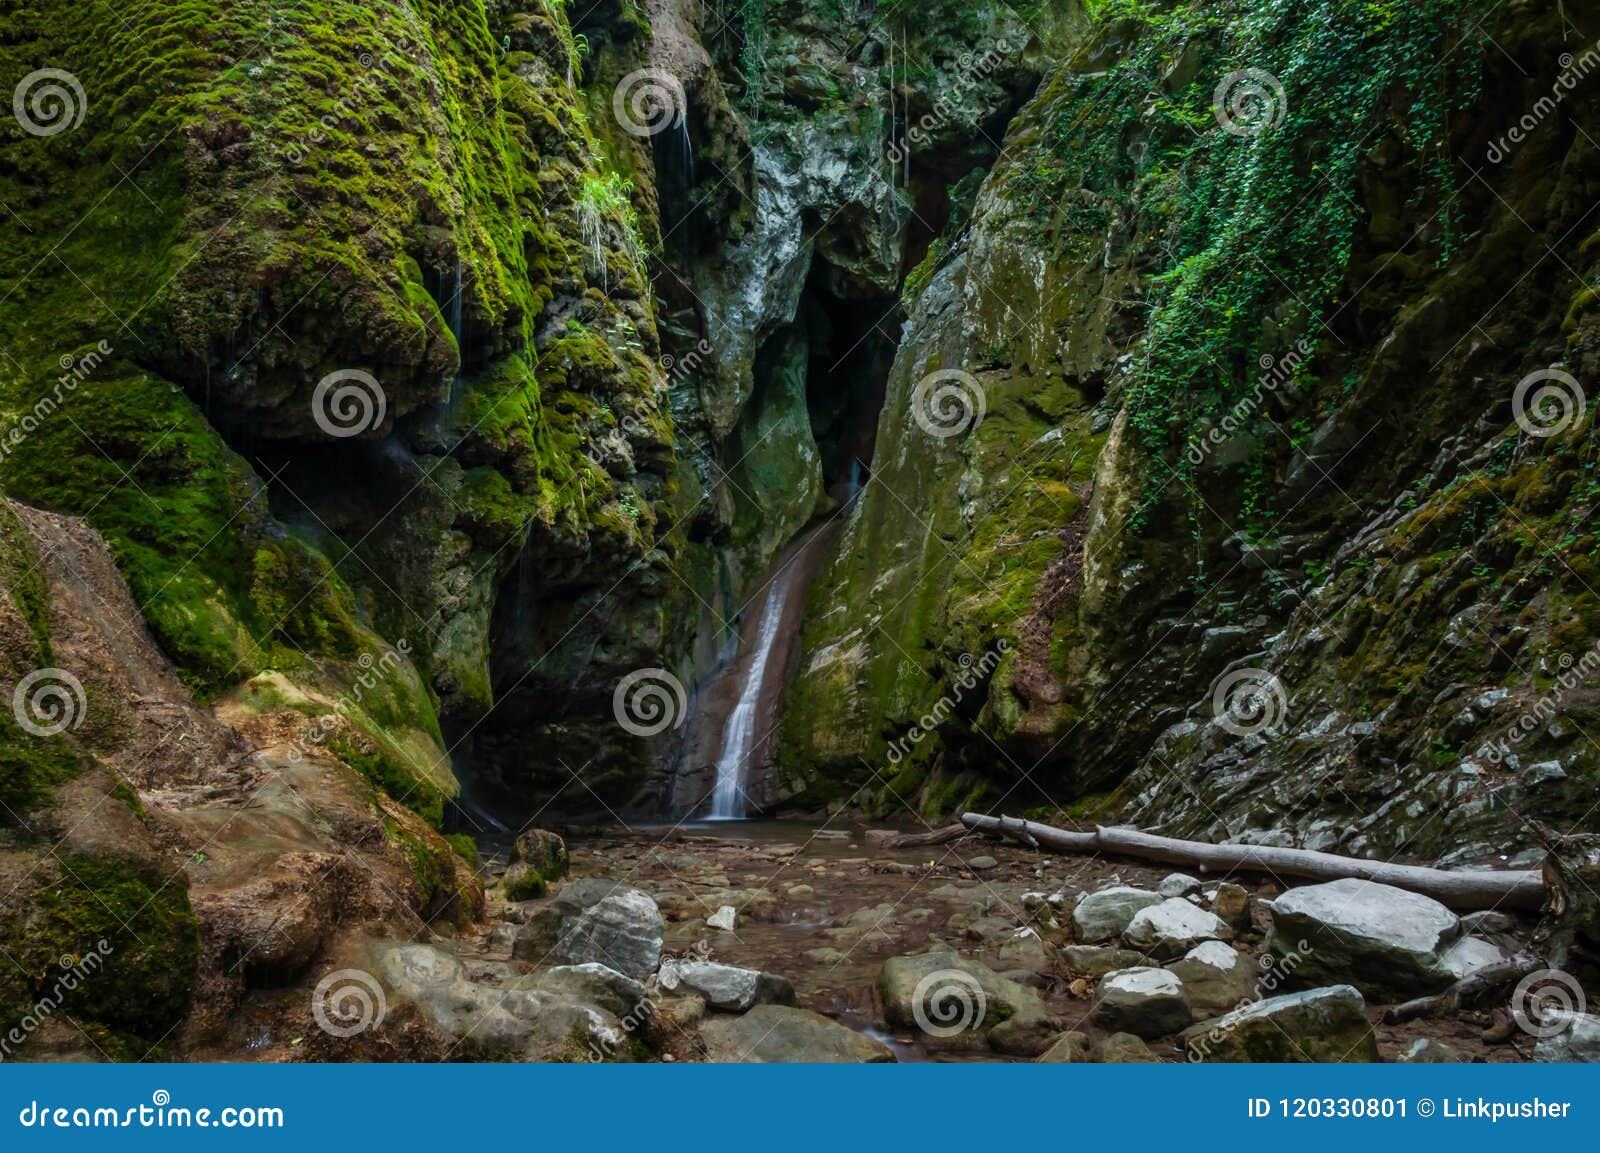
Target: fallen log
x: 1032, y: 834
x: 1463, y: 891
x: 1477, y: 983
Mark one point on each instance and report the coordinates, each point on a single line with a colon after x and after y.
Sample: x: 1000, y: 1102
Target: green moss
x: 136, y: 987
x: 465, y: 847
x: 31, y: 766
x: 524, y: 883
x: 386, y: 771
x: 22, y: 578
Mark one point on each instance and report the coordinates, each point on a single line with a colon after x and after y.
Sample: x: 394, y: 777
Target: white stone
x: 1178, y: 885
x: 1173, y: 927
x: 1105, y: 914
x: 724, y: 918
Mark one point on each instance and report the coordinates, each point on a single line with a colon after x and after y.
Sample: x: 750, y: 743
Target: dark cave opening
x: 851, y: 339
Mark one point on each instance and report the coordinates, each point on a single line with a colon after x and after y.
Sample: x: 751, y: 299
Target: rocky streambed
x: 767, y: 941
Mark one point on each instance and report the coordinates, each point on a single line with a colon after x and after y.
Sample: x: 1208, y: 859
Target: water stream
x: 739, y: 741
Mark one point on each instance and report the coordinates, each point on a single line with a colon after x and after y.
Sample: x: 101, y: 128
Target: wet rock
x: 1122, y: 1049
x: 1232, y: 903
x: 1383, y: 940
x: 543, y: 851
x: 727, y: 987
x: 1316, y: 1025
x: 597, y: 984
x: 1469, y: 954
x: 950, y: 999
x: 982, y: 864
x: 1147, y: 1002
x: 1068, y: 1048
x: 1098, y: 960
x: 724, y: 918
x: 1487, y: 922
x: 499, y: 1012
x: 1024, y: 1036
x: 1026, y: 950
x: 824, y: 956
x: 1173, y: 927
x: 1104, y: 915
x: 1216, y: 977
x: 1178, y: 885
x: 1578, y: 1039
x: 595, y: 920
x: 782, y: 1034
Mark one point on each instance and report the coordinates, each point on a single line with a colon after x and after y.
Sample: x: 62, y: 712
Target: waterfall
x: 739, y: 741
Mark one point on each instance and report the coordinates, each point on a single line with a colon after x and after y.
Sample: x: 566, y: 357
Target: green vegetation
x: 1317, y: 88
x: 132, y: 991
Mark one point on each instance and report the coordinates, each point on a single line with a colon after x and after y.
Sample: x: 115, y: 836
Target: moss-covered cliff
x: 1247, y: 300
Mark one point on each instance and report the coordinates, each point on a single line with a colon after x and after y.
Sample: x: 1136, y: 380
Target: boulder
x: 1103, y: 916
x: 1468, y: 954
x: 495, y: 1011
x: 1178, y: 885
x: 1216, y: 977
x: 1386, y: 941
x: 1232, y: 903
x: 951, y: 1000
x: 1098, y: 960
x: 727, y: 987
x: 1146, y: 1002
x: 594, y: 920
x: 1025, y: 949
x: 1577, y: 1038
x: 1316, y: 1025
x: 1024, y: 1036
x: 545, y: 852
x: 1068, y: 1048
x: 595, y: 983
x: 783, y: 1034
x: 1122, y: 1049
x: 1173, y: 927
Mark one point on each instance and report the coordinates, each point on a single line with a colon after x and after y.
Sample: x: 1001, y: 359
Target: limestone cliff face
x: 1249, y: 428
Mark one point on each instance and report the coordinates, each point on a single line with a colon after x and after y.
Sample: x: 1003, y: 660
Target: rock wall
x: 1249, y: 506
